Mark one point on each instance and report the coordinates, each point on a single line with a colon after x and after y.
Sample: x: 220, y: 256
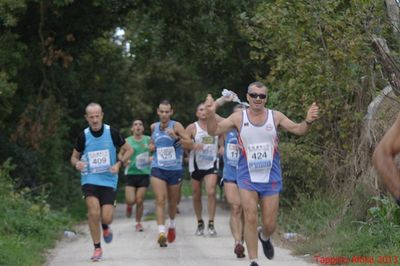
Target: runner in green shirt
x: 137, y: 172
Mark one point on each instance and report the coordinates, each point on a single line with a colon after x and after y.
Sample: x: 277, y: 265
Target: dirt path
x: 140, y: 248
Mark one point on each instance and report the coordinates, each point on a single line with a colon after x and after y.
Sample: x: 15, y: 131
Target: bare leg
x: 140, y: 192
x: 160, y: 190
x: 93, y: 208
x: 197, y: 205
x: 210, y: 184
x: 249, y: 200
x: 236, y: 219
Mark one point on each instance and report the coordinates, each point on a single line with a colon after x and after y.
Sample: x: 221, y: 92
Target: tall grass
x: 328, y: 227
x: 27, y: 224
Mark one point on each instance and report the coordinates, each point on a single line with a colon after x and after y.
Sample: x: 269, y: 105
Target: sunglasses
x: 255, y: 95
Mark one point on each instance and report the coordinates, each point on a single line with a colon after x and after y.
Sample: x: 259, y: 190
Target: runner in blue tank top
x: 168, y: 137
x: 259, y: 175
x: 94, y: 155
x: 232, y: 153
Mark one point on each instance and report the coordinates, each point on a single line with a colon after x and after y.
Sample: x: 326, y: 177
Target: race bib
x: 232, y: 154
x: 99, y: 161
x: 142, y: 160
x: 207, y: 154
x: 259, y: 156
x: 166, y: 156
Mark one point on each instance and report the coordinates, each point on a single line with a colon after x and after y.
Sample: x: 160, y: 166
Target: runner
x: 168, y: 137
x: 138, y: 172
x: 203, y: 166
x: 231, y: 157
x: 384, y: 159
x: 95, y: 156
x: 259, y: 172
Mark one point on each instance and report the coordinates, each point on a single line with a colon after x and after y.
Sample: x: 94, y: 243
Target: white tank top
x: 259, y: 143
x: 206, y: 157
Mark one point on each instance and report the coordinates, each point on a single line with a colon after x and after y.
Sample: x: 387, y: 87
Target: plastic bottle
x: 289, y: 235
x: 228, y: 93
x: 69, y: 234
x: 85, y: 160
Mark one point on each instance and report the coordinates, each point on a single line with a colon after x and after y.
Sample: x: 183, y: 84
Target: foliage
x: 327, y: 227
x: 28, y: 224
x: 328, y: 59
x: 301, y: 170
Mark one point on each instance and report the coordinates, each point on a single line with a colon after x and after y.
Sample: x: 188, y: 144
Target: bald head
x: 93, y: 106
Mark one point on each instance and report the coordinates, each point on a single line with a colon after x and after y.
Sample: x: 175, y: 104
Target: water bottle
x: 85, y: 170
x: 289, y: 235
x: 69, y: 234
x: 228, y: 93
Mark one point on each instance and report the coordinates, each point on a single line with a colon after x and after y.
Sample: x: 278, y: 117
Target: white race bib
x: 99, y: 161
x: 166, y: 156
x: 259, y: 161
x: 232, y: 153
x: 142, y: 160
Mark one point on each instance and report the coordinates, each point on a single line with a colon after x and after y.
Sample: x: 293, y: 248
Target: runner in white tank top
x: 261, y: 154
x: 203, y: 166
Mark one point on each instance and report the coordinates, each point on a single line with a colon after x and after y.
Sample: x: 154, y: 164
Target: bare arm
x: 125, y: 153
x: 384, y: 159
x: 185, y: 138
x: 216, y: 126
x: 297, y: 128
x: 75, y: 160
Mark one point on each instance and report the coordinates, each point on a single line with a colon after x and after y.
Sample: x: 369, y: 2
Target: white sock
x: 172, y: 223
x: 161, y: 228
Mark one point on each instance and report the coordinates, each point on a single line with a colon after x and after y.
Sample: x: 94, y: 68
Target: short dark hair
x: 165, y: 102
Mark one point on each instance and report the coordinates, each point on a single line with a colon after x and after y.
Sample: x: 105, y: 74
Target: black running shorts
x: 106, y: 195
x: 138, y: 180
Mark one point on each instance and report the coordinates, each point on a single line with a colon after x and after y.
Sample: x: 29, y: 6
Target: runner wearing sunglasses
x: 259, y: 172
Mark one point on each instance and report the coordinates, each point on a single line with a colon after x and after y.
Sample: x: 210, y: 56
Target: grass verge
x: 332, y: 227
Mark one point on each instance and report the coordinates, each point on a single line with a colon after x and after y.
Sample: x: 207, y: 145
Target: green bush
x: 301, y: 170
x: 28, y: 224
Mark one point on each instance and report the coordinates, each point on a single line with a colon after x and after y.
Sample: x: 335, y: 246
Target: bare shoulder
x: 278, y: 117
x: 153, y: 126
x: 190, y: 127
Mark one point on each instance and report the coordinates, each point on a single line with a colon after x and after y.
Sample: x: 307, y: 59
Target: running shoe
x: 139, y: 227
x: 211, y: 230
x: 128, y: 210
x: 239, y: 251
x: 268, y: 249
x: 254, y: 264
x: 200, y: 229
x: 107, y: 235
x: 162, y: 240
x: 97, y: 254
x: 171, y: 235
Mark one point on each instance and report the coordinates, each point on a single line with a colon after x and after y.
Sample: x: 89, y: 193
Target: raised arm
x: 216, y: 126
x: 297, y: 128
x: 384, y: 159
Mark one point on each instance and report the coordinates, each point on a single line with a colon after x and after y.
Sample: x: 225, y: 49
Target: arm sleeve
x: 118, y: 140
x: 80, y: 142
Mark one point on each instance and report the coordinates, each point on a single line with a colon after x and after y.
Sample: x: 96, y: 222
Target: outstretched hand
x: 313, y: 112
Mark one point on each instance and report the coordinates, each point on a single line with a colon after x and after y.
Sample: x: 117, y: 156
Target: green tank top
x: 140, y: 164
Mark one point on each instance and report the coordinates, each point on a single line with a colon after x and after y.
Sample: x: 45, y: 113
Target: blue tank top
x: 231, y: 155
x: 169, y: 153
x: 99, y: 154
